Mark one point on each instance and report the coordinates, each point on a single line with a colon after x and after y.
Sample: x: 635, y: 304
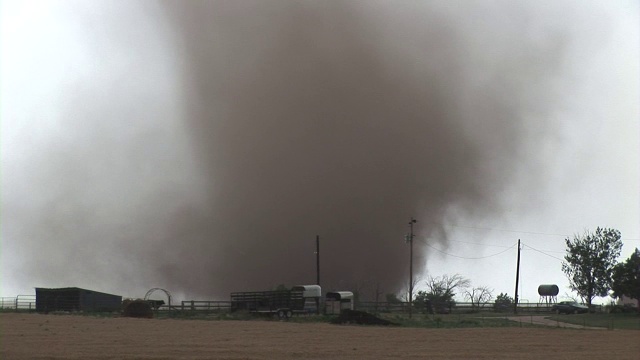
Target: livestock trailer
x: 337, y: 301
x: 283, y: 303
x: 312, y: 295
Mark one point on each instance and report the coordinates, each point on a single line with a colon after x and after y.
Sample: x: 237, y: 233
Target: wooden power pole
x: 318, y: 260
x: 515, y: 300
x: 413, y: 221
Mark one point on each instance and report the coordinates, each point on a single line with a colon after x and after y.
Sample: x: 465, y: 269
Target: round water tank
x: 548, y: 290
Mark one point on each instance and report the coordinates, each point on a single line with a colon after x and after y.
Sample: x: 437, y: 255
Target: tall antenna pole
x: 515, y: 302
x: 413, y: 221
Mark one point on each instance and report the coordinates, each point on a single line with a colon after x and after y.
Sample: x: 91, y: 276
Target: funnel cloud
x: 212, y: 141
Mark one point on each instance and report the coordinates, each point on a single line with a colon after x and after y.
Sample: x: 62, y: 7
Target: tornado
x: 202, y: 146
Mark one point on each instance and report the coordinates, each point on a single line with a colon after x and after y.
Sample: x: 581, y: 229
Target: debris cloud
x: 201, y: 146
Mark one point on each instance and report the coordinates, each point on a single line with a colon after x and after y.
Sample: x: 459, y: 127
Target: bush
x: 622, y: 309
x: 503, y: 303
x: 137, y: 309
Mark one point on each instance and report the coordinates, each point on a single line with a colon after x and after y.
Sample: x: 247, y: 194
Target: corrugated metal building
x: 75, y: 299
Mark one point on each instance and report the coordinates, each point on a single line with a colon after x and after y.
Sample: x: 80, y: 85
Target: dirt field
x: 32, y: 336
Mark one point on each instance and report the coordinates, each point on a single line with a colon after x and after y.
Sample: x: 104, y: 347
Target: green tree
x: 503, y: 302
x: 420, y: 301
x: 626, y: 278
x: 590, y: 260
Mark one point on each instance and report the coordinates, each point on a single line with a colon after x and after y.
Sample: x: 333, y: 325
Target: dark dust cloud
x: 296, y: 119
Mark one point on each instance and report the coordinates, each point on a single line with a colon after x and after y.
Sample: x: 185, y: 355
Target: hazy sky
x: 201, y: 146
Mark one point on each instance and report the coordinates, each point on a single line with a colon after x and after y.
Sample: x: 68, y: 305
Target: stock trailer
x: 302, y: 299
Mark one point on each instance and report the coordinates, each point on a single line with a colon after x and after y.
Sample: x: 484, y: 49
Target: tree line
x: 590, y: 264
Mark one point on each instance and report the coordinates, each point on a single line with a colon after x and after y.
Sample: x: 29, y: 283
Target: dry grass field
x: 33, y: 336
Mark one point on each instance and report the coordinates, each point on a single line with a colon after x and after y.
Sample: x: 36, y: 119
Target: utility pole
x: 318, y: 260
x: 515, y: 302
x: 410, y: 240
x: 318, y: 271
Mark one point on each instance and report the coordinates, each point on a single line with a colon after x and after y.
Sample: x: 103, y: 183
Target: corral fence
x: 198, y: 306
x: 28, y: 303
x: 387, y: 307
x: 20, y: 302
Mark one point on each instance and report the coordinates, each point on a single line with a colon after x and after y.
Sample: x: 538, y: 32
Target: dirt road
x: 543, y: 320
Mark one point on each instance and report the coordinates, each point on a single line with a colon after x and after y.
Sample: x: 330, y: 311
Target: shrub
x: 137, y: 308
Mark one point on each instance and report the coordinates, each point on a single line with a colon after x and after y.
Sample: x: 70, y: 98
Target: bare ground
x: 33, y: 336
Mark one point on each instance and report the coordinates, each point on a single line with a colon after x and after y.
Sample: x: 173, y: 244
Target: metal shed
x: 75, y: 299
x: 337, y: 301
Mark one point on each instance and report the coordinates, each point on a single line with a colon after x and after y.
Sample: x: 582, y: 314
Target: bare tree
x: 440, y: 292
x: 445, y: 286
x: 358, y: 288
x: 364, y: 290
x: 377, y: 292
x: 416, y: 281
x: 478, y: 295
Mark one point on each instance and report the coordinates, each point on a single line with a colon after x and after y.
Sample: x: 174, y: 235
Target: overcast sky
x: 96, y: 99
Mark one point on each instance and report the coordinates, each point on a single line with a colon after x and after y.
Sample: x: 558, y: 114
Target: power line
x: 553, y: 251
x: 473, y: 243
x: 542, y: 252
x: 517, y: 231
x: 468, y: 258
x: 504, y: 230
x: 545, y: 252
